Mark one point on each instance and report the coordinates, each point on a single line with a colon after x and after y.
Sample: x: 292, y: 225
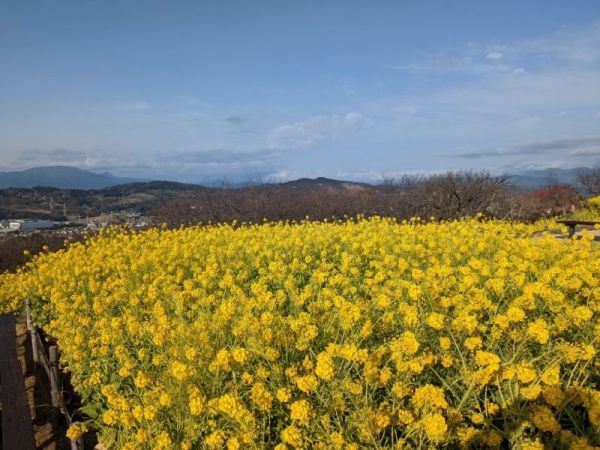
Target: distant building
x: 29, y: 224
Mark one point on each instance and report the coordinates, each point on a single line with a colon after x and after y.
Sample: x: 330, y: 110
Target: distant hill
x: 540, y: 178
x: 62, y: 177
x: 50, y: 202
x: 325, y: 182
x: 47, y: 192
x: 66, y: 177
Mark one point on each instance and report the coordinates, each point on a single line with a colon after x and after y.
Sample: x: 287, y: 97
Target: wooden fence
x: 17, y: 427
x: 49, y: 362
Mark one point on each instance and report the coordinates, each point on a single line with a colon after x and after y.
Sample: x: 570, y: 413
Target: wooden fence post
x: 54, y: 382
x: 32, y: 333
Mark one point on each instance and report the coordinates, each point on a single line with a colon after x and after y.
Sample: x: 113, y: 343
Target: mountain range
x: 66, y: 177
x: 62, y: 177
x: 538, y: 178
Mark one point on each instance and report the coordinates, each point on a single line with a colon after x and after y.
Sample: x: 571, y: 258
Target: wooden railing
x: 17, y: 428
x: 49, y: 362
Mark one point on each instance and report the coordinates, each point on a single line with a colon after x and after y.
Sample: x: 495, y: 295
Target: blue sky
x: 201, y: 90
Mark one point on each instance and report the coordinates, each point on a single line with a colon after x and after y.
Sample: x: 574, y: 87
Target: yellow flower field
x: 344, y: 335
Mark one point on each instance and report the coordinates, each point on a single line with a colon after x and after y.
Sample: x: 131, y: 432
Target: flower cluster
x: 342, y: 335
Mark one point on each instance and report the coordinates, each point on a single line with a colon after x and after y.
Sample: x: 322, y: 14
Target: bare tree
x: 444, y: 196
x: 590, y: 179
x: 388, y: 183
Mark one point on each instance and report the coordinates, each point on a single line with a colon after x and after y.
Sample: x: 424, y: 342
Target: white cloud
x: 494, y: 55
x: 357, y: 120
x: 282, y: 175
x: 316, y: 129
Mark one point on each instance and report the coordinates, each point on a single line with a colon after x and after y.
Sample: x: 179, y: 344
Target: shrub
x: 353, y: 334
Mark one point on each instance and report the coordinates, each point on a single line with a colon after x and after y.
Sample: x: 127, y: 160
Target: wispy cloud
x: 221, y: 156
x: 500, y: 103
x: 55, y: 154
x: 569, y: 46
x: 579, y: 45
x: 526, y: 90
x: 185, y: 165
x: 316, y: 129
x: 215, y: 164
x: 494, y: 55
x: 589, y: 145
x: 96, y: 159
